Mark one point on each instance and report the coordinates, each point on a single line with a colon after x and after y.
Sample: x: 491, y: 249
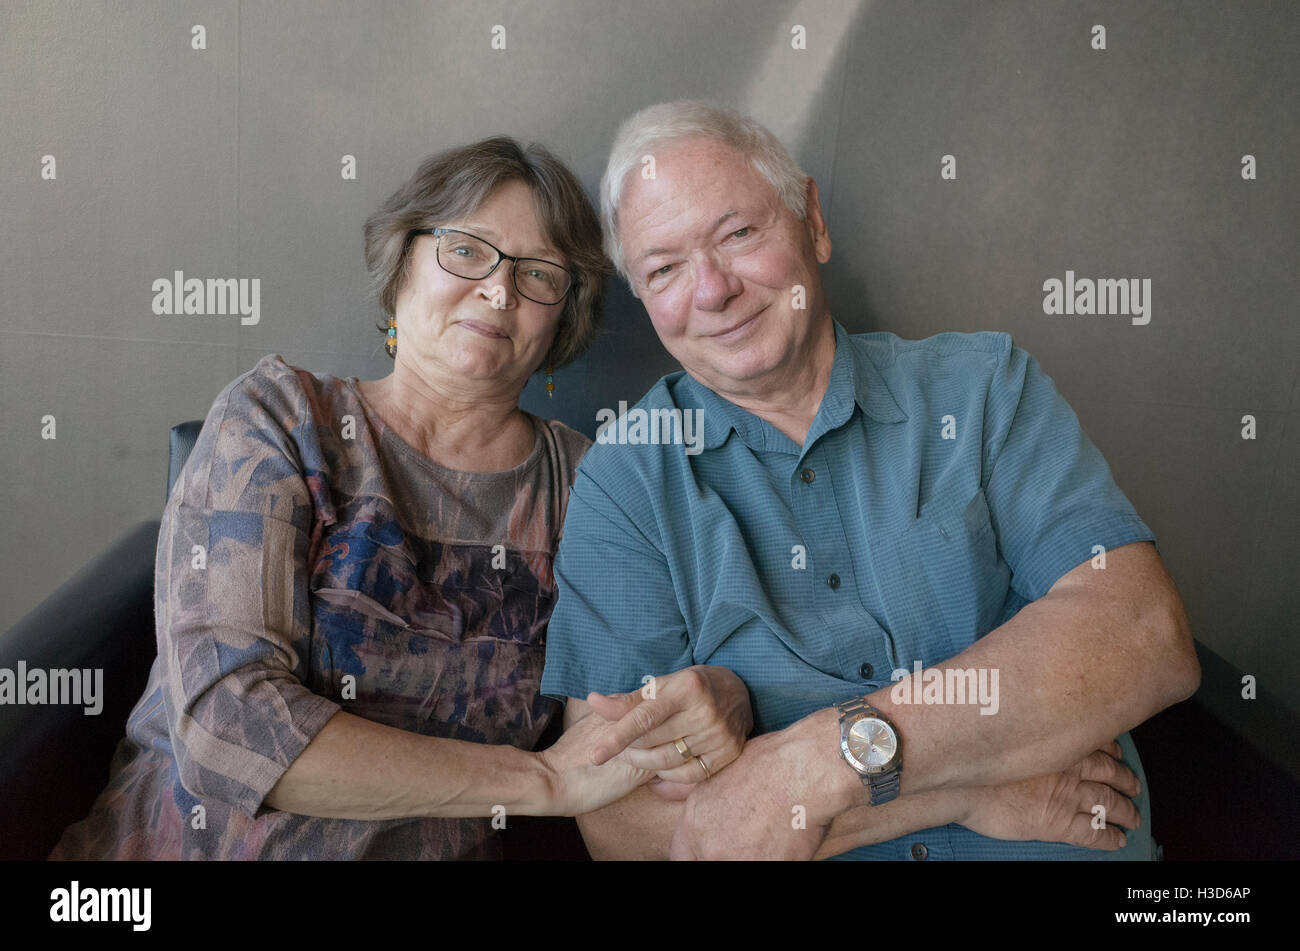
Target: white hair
x: 655, y: 126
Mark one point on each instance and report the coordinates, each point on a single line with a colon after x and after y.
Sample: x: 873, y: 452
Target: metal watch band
x: 884, y: 787
x: 858, y: 705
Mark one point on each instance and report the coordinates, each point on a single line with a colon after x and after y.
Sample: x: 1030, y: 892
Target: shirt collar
x: 854, y: 379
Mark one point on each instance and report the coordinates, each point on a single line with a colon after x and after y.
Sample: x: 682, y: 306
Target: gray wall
x: 225, y: 162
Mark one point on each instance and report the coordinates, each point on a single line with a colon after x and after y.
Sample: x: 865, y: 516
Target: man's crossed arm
x: 1100, y: 653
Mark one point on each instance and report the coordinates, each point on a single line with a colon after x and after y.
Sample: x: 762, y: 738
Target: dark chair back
x: 56, y: 757
x: 180, y: 442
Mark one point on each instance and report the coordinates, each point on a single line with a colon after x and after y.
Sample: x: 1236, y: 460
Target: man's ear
x: 815, y: 223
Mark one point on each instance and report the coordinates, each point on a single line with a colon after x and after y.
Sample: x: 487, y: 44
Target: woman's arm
x: 358, y: 769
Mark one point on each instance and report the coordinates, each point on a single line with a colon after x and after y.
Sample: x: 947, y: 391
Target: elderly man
x: 863, y: 509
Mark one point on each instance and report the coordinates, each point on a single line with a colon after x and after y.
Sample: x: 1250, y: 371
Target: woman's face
x: 481, y: 335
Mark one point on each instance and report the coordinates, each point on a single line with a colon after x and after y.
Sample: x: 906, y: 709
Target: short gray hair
x: 454, y: 183
x: 657, y: 125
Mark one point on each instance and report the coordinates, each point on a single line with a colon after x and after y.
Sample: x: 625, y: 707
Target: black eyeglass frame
x: 501, y: 256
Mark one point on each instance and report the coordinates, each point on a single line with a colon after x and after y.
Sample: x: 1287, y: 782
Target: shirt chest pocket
x: 943, y: 582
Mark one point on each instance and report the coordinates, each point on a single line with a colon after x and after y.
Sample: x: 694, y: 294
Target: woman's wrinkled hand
x: 707, y: 708
x: 576, y: 784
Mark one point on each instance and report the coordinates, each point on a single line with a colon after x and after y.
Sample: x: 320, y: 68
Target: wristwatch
x: 871, y: 745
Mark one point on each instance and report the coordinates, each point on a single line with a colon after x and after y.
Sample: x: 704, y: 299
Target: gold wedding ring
x: 682, y: 748
x: 700, y: 760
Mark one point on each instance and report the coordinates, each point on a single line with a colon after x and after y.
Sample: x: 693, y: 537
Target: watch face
x: 872, y: 742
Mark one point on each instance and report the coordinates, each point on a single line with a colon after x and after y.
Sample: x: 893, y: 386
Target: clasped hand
x: 628, y: 739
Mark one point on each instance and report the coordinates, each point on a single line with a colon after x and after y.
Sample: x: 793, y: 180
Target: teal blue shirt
x: 944, y: 485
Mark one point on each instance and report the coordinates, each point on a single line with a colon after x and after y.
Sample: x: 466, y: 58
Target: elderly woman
x: 353, y: 579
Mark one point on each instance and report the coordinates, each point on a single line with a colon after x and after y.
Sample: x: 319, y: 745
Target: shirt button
x: 866, y: 671
x: 919, y: 851
x: 833, y: 581
x: 807, y: 475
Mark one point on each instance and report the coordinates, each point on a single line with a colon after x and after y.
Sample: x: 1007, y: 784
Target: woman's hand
x: 1059, y: 807
x: 707, y: 708
x: 578, y: 786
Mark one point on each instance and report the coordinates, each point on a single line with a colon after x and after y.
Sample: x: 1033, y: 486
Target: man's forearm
x: 638, y: 826
x: 641, y: 824
x: 1075, y: 669
x: 868, y: 825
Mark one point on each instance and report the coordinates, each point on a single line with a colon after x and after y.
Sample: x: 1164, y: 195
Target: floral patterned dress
x: 310, y: 561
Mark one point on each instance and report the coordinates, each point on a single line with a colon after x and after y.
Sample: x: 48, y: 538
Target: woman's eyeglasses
x: 469, y: 256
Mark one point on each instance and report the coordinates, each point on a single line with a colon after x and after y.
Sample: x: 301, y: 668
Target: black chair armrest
x: 56, y: 758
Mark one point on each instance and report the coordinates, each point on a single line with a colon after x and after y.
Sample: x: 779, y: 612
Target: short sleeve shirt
x: 311, y: 561
x: 943, y: 485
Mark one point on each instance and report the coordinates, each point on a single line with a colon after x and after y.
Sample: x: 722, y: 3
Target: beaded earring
x: 391, y: 343
x: 550, y: 384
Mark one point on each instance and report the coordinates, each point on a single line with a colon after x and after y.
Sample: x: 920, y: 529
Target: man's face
x: 715, y: 256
